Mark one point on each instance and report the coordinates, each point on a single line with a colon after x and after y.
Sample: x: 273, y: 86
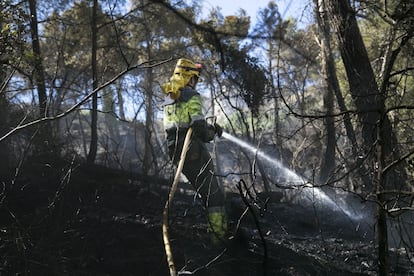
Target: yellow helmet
x: 186, y: 68
x: 183, y: 71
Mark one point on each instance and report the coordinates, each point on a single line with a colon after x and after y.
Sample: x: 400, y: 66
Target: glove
x: 203, y: 131
x: 199, y: 126
x: 218, y: 129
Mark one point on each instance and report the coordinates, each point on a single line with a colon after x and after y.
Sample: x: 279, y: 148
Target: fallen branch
x: 206, y: 266
x: 165, y: 235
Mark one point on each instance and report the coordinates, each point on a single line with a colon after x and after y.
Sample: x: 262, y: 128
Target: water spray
x: 292, y: 179
x: 288, y: 174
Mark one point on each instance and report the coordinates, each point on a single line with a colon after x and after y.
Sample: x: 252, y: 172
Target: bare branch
x: 398, y: 161
x: 256, y: 220
x: 22, y: 125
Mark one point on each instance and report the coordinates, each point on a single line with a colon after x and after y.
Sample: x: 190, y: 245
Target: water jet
x: 292, y: 180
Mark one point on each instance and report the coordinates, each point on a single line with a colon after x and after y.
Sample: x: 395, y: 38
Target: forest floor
x: 97, y: 221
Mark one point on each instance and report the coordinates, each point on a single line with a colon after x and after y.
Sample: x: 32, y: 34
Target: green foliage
x: 236, y: 25
x: 12, y: 31
x: 68, y: 35
x: 223, y: 37
x: 270, y: 23
x: 392, y: 49
x: 247, y: 76
x: 218, y: 29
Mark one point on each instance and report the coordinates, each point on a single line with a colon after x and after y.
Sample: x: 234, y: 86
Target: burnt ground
x: 98, y: 221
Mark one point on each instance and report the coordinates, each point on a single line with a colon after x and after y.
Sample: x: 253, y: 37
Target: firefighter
x: 182, y: 110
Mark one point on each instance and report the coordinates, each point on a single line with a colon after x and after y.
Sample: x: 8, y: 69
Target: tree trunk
x: 333, y: 83
x: 361, y: 78
x: 382, y: 232
x: 108, y: 110
x: 4, y: 149
x: 149, y: 154
x: 93, y: 148
x: 44, y: 136
x: 148, y: 151
x: 275, y: 94
x: 328, y: 159
x: 120, y: 100
x: 377, y: 132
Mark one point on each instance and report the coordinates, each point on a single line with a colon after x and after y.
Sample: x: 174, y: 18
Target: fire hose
x: 168, y: 203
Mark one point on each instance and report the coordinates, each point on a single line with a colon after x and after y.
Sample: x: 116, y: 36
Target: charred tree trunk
x: 150, y: 160
x: 4, y: 149
x: 328, y: 160
x: 361, y: 78
x: 93, y: 147
x: 44, y: 136
x: 39, y: 77
x: 333, y: 86
x: 379, y: 141
x: 382, y: 229
x: 120, y: 98
x: 148, y: 151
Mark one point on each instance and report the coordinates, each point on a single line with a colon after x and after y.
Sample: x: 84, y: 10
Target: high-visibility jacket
x: 184, y: 111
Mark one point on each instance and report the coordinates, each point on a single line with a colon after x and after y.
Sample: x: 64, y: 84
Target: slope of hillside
x: 99, y: 221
